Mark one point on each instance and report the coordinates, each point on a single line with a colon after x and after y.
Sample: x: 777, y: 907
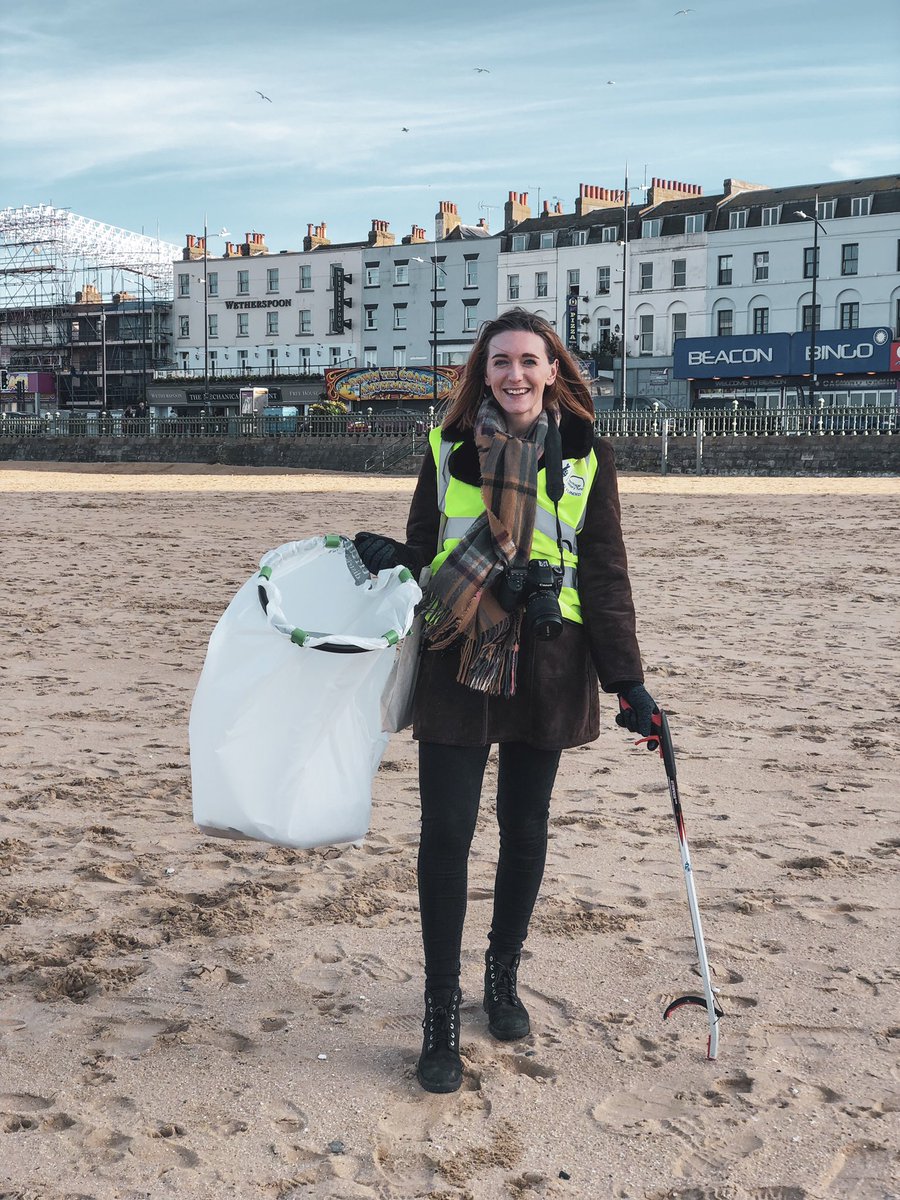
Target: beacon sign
x: 838, y: 351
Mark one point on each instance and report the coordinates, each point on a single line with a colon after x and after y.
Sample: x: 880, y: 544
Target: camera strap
x: 553, y: 474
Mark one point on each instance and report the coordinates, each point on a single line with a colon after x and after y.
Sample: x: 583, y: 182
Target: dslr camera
x: 537, y: 587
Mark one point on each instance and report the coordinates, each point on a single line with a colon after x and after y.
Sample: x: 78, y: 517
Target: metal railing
x: 735, y: 421
x: 412, y: 429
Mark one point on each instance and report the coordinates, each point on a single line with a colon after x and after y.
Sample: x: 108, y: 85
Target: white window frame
x: 399, y: 356
x: 825, y: 210
x: 546, y: 241
x: 370, y: 321
x: 401, y: 274
x: 272, y: 354
x: 184, y: 326
x: 760, y: 308
x: 243, y: 356
x: 213, y: 324
x: 651, y: 227
x: 681, y: 318
x: 512, y: 287
x: 541, y: 280
x: 604, y: 280
x: 771, y: 214
x: 519, y: 242
x: 645, y: 276
x: 306, y: 283
x: 272, y: 322
x: 272, y: 280
x: 305, y: 356
x: 679, y: 277
x: 399, y: 316
x: 645, y: 335
x: 695, y: 222
x: 373, y: 275
x: 471, y: 273
x: 470, y: 317
x: 243, y: 324
x: 212, y: 283
x: 440, y: 319
x: 760, y: 266
x: 242, y: 283
x: 580, y: 237
x: 609, y: 233
x: 860, y: 206
x: 304, y: 321
x: 184, y: 284
x: 737, y: 218
x: 573, y: 279
x: 370, y: 357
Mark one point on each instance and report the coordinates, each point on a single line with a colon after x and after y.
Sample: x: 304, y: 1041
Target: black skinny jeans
x: 450, y: 779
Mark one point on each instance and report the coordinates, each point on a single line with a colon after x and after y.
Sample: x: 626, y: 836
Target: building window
x: 609, y: 233
x: 271, y: 323
x: 760, y: 320
x: 470, y: 316
x: 725, y: 322
x: 401, y: 273
x: 810, y: 262
x: 439, y: 326
x: 371, y: 321
x: 679, y: 327
x: 850, y: 258
x: 184, y: 285
x: 603, y: 281
x: 850, y: 316
x: 373, y: 275
x: 306, y: 278
x: 243, y: 325
x: 651, y: 227
x: 646, y: 334
x: 679, y: 272
x: 399, y: 356
x: 271, y: 279
x: 334, y: 355
x: 471, y: 272
x: 518, y: 242
x: 771, y: 216
x: 184, y: 326
x: 440, y: 275
x: 825, y: 209
x: 725, y: 269
x: 580, y: 237
x: 807, y: 317
x: 272, y: 356
x: 305, y: 358
x: 760, y: 266
x: 646, y: 276
x: 212, y: 283
x: 546, y: 241
x: 305, y: 325
x: 695, y: 222
x: 512, y: 287
x: 370, y: 357
x: 737, y: 219
x: 185, y: 360
x: 603, y: 324
x: 573, y: 280
x: 243, y: 355
x: 540, y: 283
x: 213, y: 324
x: 213, y: 360
x: 243, y: 283
x: 860, y: 206
x: 399, y: 316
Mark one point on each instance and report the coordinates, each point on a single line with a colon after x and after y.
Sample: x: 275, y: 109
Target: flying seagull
x: 482, y: 70
x: 404, y: 129
x: 263, y: 97
x: 683, y: 12
x: 610, y: 81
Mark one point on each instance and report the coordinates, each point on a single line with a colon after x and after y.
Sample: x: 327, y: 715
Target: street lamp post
x: 624, y: 342
x: 817, y: 225
x: 434, y: 321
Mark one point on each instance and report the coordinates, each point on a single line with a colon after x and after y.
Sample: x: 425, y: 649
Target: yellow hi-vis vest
x: 461, y: 505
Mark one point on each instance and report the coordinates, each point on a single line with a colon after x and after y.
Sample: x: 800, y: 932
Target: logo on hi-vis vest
x: 574, y: 484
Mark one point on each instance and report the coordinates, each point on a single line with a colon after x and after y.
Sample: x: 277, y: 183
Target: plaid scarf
x: 460, y: 601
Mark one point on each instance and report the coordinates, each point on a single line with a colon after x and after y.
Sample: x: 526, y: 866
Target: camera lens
x: 543, y: 616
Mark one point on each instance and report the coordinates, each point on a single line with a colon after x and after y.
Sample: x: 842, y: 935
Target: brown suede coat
x: 556, y: 704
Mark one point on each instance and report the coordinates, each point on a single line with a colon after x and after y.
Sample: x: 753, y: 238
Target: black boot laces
x: 503, y: 983
x: 440, y: 1026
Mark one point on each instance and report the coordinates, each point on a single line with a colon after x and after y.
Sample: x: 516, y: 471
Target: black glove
x: 378, y: 553
x: 636, y: 709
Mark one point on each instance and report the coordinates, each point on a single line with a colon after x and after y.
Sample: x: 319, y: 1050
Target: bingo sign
x: 895, y: 357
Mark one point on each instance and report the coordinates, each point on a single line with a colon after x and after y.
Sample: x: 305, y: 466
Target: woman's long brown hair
x: 569, y: 391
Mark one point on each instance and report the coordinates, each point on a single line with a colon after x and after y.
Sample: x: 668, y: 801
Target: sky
x: 148, y: 117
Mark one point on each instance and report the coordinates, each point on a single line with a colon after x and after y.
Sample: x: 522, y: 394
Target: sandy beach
x: 183, y: 1016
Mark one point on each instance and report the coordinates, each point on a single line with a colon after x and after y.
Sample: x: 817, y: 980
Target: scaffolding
x: 51, y: 259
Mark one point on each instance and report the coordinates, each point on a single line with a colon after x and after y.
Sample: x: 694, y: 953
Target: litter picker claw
x: 662, y: 738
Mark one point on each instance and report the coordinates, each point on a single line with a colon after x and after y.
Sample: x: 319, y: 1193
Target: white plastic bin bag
x: 286, y: 728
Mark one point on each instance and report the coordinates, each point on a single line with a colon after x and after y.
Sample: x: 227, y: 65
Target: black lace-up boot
x: 440, y: 1067
x: 507, y: 1015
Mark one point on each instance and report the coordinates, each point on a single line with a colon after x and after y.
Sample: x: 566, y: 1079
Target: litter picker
x: 662, y: 738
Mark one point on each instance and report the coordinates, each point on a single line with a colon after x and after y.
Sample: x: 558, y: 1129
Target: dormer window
x: 860, y: 206
x: 652, y: 227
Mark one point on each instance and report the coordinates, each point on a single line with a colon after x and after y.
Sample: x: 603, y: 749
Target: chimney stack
x: 193, y: 247
x: 413, y: 238
x: 515, y: 209
x: 591, y: 197
x: 446, y: 219
x: 733, y: 187
x: 255, y: 244
x: 315, y: 237
x: 380, y: 234
x: 671, y: 189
